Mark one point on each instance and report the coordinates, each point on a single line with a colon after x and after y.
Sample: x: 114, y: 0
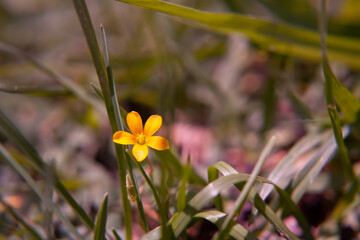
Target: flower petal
x: 158, y: 143
x: 152, y: 125
x: 134, y: 122
x: 124, y: 138
x: 140, y: 152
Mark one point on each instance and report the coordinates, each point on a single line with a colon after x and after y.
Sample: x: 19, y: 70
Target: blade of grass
x: 300, y: 108
x: 100, y: 226
x: 13, y: 133
x: 111, y: 106
x: 64, y: 81
x: 171, y: 161
x: 120, y: 126
x: 312, y: 169
x: 263, y: 208
x: 36, y: 91
x: 181, y: 198
x: 216, y: 217
x: 20, y: 219
x: 335, y: 92
x: 36, y: 188
x: 117, y: 236
x: 302, y: 146
x: 212, y: 175
x: 281, y: 38
x: 212, y: 189
x: 240, y: 201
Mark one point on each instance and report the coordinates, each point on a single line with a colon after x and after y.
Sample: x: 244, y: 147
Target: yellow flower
x: 141, y: 138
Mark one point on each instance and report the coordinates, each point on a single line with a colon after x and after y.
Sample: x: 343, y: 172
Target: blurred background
x: 221, y: 96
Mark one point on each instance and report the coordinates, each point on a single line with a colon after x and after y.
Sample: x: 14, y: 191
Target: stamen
x: 141, y: 138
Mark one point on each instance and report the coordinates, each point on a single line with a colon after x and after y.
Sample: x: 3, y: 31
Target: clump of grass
x: 177, y: 195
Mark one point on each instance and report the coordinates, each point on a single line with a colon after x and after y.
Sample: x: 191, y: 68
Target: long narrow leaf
x: 213, y: 189
x: 280, y: 38
x: 30, y: 229
x: 100, y: 226
x: 240, y: 201
x: 111, y: 105
x: 216, y: 217
x: 335, y: 92
x: 267, y: 212
x: 36, y: 188
x: 14, y: 134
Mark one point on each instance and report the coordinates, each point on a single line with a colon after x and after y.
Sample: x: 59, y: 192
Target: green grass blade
x: 13, y: 133
x: 216, y: 217
x: 181, y: 198
x: 305, y: 144
x: 281, y: 38
x: 100, y: 226
x: 212, y: 175
x: 173, y: 163
x: 240, y: 201
x: 142, y: 216
x: 64, y: 81
x: 313, y: 167
x: 36, y: 91
x: 265, y: 210
x: 147, y: 179
x: 297, y: 12
x: 116, y: 235
x: 300, y: 108
x: 207, y: 194
x: 97, y: 90
x: 110, y: 103
x: 336, y: 93
x: 36, y: 188
x: 32, y: 231
x: 163, y: 216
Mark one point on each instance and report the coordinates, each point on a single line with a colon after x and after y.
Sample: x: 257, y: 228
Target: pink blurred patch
x: 194, y: 141
x: 238, y: 159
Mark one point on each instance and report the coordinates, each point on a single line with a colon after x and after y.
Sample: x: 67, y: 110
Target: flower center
x: 140, y: 138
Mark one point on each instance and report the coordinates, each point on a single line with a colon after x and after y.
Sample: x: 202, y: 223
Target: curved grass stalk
x: 36, y: 188
x: 39, y: 165
x: 283, y: 39
x: 240, y: 201
x: 32, y: 231
x: 63, y: 80
x: 110, y: 103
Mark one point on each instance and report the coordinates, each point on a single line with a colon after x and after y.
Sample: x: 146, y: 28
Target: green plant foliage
x: 284, y: 39
x: 100, y: 225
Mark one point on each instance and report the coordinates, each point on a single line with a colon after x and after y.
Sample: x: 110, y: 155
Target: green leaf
x: 172, y: 162
x: 181, y: 198
x: 240, y: 201
x: 15, y: 135
x: 36, y: 91
x: 213, y: 189
x: 20, y: 219
x: 335, y: 92
x: 283, y: 39
x: 216, y: 217
x: 37, y: 190
x: 347, y: 102
x: 300, y: 108
x: 76, y: 89
x: 112, y: 108
x: 268, y: 213
x: 100, y: 226
x: 297, y: 12
x: 116, y: 235
x: 212, y: 175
